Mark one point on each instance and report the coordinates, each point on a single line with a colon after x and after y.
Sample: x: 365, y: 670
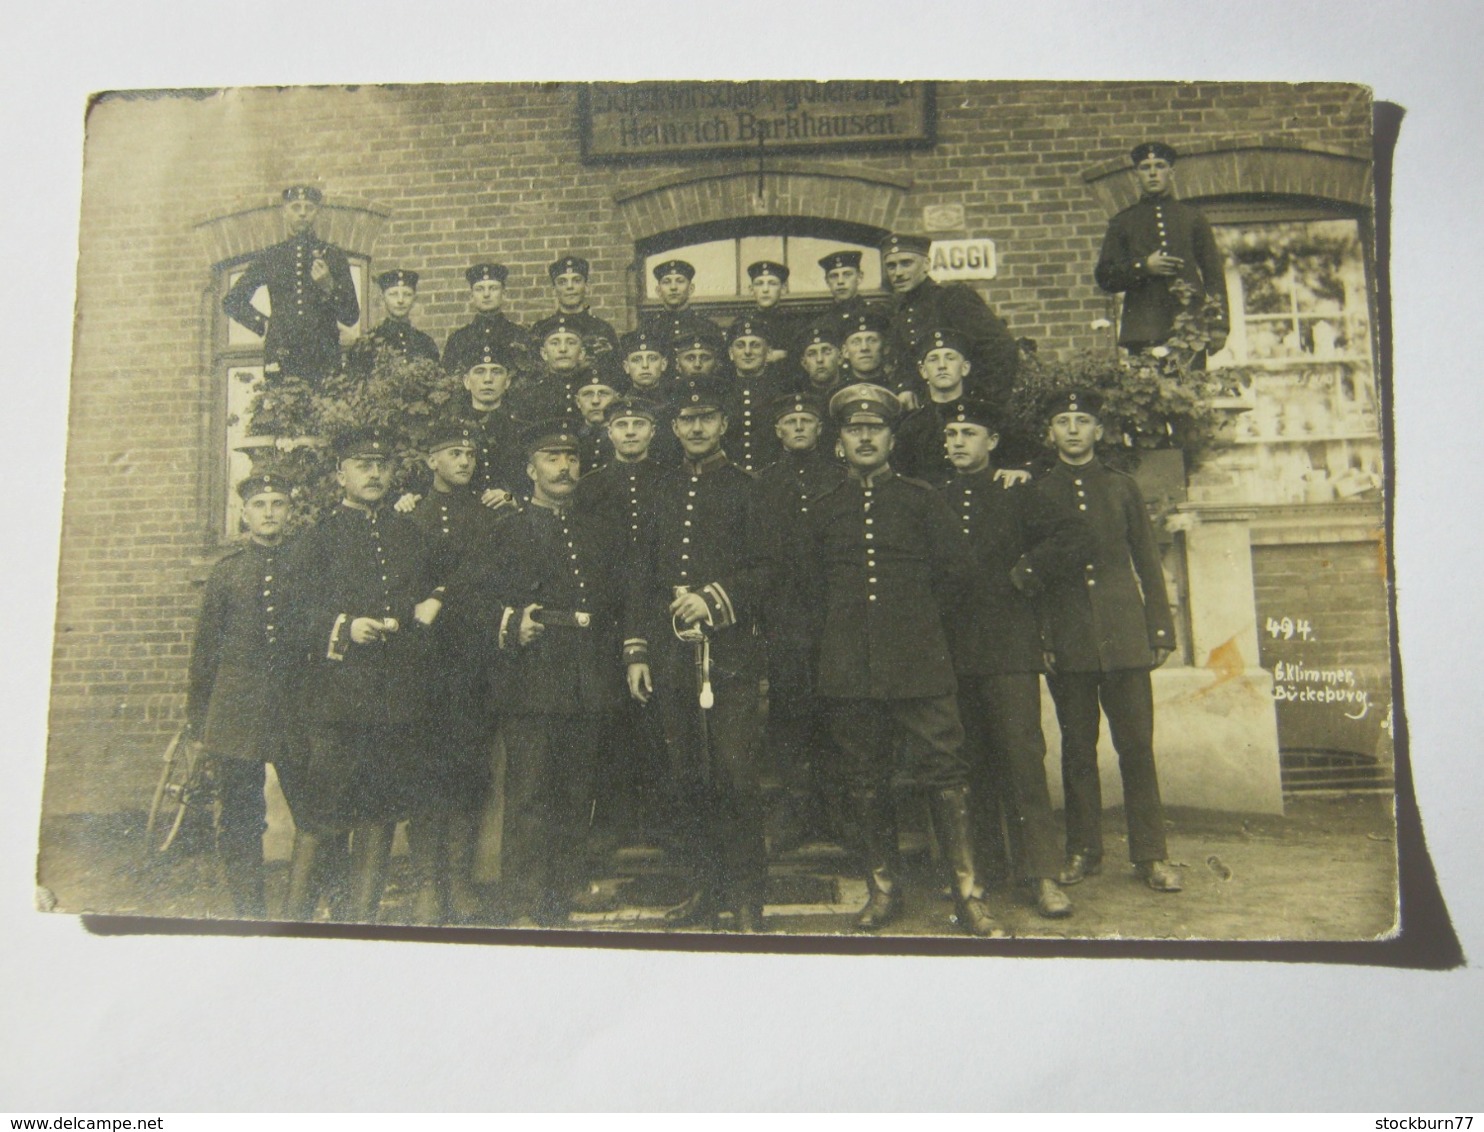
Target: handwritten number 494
x: 1288, y: 628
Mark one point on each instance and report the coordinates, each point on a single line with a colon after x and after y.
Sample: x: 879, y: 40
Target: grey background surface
x: 147, y: 1024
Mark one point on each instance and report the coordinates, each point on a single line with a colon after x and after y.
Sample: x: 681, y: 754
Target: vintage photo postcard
x: 844, y: 509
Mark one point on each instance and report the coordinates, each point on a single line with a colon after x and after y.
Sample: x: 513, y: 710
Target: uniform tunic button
x: 871, y: 580
x: 1082, y: 506
x: 1092, y: 581
x: 871, y: 597
x: 685, y: 541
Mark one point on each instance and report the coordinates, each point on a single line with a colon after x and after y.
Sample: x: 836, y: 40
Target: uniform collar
x: 359, y: 508
x: 1093, y: 465
x: 880, y: 476
x: 549, y: 508
x: 709, y: 464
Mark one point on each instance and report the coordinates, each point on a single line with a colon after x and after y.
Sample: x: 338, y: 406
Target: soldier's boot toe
x: 1159, y: 876
x: 881, y: 909
x: 975, y: 918
x: 1079, y: 866
x: 1051, y: 902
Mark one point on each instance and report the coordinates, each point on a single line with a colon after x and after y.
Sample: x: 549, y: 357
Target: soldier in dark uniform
x: 768, y: 281
x: 498, y: 472
x: 863, y: 351
x: 694, y: 589
x: 362, y: 600
x: 820, y: 362
x: 645, y: 361
x: 456, y: 776
x: 675, y: 318
x: 547, y: 595
x: 310, y: 290
x: 395, y: 333
x: 1153, y: 243
x: 550, y: 391
x: 755, y: 385
x: 842, y: 276
x: 1019, y: 543
x: 1107, y: 629
x: 591, y: 400
x: 891, y: 569
x: 921, y: 305
x: 942, y: 361
x: 490, y: 328
x: 243, y: 667
x: 798, y: 729
x: 569, y: 280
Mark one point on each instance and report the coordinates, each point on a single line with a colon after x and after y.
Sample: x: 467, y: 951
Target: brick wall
x: 470, y: 172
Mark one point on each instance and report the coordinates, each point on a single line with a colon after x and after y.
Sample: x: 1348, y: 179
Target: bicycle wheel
x: 172, y: 795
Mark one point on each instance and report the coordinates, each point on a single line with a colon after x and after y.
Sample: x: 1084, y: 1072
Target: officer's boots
x: 425, y: 843
x: 876, y: 815
x: 955, y: 836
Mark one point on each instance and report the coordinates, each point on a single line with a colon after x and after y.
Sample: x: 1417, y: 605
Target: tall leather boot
x: 304, y: 876
x: 370, y: 847
x: 426, y: 836
x: 465, y: 905
x: 955, y: 832
x: 877, y: 818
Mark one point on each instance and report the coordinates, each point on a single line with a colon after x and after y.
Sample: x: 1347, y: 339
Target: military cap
x: 790, y: 403
x: 871, y: 320
x: 1077, y: 399
x: 554, y: 323
x: 841, y: 259
x: 304, y: 192
x: 397, y: 277
x: 262, y: 483
x: 483, y: 271
x: 767, y: 267
x: 699, y: 395
x: 495, y: 354
x: 697, y: 340
x: 746, y: 327
x: 364, y: 443
x: 941, y: 338
x: 975, y: 411
x: 825, y: 333
x: 451, y: 434
x: 631, y: 406
x: 595, y: 380
x: 864, y: 403
x: 574, y: 263
x: 1152, y: 149
x: 674, y: 267
x: 556, y: 435
x: 638, y: 340
x: 901, y: 242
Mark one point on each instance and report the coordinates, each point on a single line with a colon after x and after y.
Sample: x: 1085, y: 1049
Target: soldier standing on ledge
x: 1106, y: 629
x: 490, y: 328
x: 1150, y: 245
x: 890, y: 570
x: 310, y: 290
x: 240, y: 697
x: 395, y: 332
x: 842, y: 276
x: 569, y: 281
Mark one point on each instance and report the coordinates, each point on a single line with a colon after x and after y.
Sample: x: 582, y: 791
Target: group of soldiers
x: 698, y: 552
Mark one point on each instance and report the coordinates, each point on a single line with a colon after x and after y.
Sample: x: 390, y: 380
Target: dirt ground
x: 1325, y: 870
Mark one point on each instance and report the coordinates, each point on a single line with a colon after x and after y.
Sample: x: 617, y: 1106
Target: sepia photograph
x: 857, y: 509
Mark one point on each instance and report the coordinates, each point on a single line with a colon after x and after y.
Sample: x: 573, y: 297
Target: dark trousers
x: 348, y: 775
x: 866, y: 732
x: 549, y: 768
x: 1007, y: 764
x: 240, y: 834
x: 715, y: 772
x: 1128, y: 699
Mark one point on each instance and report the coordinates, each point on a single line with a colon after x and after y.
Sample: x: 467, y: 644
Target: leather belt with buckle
x: 567, y: 619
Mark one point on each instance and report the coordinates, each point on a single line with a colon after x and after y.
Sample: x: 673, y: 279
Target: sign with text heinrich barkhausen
x: 638, y: 121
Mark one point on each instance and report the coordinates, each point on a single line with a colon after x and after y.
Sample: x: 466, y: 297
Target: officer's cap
x: 697, y: 340
x: 631, y: 406
x: 636, y: 341
x: 791, y: 403
x: 561, y: 322
x: 746, y: 327
x: 864, y: 403
x: 1157, y: 149
x: 867, y: 320
x: 767, y: 267
x: 481, y: 272
x: 450, y: 434
x: 304, y: 192
x: 265, y: 483
x: 365, y: 443
x: 1077, y: 399
x: 973, y: 411
x: 941, y: 338
x: 397, y: 277
x: 901, y: 242
x: 841, y: 259
x: 557, y: 435
x: 699, y: 395
x: 569, y: 263
x: 674, y: 267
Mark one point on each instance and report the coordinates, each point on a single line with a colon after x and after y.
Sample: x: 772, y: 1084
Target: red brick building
x: 180, y: 189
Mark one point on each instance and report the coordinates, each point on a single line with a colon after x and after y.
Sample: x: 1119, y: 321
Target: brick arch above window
x: 234, y: 235
x: 854, y: 195
x: 1264, y: 167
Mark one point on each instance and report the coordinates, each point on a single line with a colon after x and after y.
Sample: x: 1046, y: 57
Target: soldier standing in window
x: 1153, y: 243
x: 676, y: 282
x: 842, y: 276
x: 1106, y: 630
x: 768, y: 281
x: 241, y: 682
x: 310, y: 291
x: 395, y: 333
x: 490, y: 329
